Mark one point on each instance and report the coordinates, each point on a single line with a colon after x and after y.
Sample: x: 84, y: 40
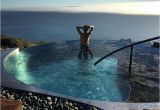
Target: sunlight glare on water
x: 20, y: 67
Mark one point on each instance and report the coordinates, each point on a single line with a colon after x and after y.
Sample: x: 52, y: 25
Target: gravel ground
x: 36, y: 101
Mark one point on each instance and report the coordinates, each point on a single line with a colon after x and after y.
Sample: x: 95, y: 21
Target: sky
x: 151, y: 7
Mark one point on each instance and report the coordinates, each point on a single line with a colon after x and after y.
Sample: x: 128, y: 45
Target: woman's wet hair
x: 85, y: 27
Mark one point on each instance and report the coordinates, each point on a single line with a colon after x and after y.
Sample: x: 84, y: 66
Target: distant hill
x: 11, y: 42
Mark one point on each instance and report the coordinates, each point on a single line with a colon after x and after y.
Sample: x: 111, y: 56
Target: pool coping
x: 11, y: 82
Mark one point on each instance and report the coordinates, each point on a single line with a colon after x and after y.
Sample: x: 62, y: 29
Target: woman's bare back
x: 84, y: 38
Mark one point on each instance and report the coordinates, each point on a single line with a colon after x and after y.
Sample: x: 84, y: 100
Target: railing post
x: 130, y: 62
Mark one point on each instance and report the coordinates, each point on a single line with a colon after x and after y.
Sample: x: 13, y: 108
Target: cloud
x: 147, y: 8
x: 74, y: 6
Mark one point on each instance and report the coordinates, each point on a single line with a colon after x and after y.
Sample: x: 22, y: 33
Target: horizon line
x: 144, y: 14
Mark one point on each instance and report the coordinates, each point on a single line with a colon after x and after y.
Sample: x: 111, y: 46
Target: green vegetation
x: 11, y: 42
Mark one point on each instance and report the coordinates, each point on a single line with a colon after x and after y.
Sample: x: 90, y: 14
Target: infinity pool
x: 58, y: 70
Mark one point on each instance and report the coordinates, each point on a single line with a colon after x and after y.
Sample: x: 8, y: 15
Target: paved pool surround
x: 11, y: 82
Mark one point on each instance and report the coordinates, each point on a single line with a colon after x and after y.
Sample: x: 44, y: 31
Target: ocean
x: 58, y: 26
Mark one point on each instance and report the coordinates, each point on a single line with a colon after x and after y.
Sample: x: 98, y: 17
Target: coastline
x: 12, y: 42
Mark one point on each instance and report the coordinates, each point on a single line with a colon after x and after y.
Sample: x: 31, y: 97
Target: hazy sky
x: 116, y: 6
x: 34, y: 3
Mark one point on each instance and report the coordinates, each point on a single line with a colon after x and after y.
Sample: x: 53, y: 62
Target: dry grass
x: 8, y: 104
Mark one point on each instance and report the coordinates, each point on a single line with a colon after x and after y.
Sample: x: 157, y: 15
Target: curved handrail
x: 130, y: 45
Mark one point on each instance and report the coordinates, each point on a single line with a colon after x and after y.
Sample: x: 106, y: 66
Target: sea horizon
x: 49, y: 25
x: 43, y: 11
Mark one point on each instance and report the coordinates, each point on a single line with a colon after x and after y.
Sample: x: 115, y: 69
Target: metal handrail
x: 131, y: 52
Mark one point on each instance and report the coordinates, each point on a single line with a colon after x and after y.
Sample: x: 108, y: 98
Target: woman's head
x: 86, y: 27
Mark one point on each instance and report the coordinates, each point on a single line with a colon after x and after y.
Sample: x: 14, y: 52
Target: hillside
x: 11, y: 42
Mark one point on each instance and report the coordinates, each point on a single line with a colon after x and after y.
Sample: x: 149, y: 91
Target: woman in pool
x: 84, y: 39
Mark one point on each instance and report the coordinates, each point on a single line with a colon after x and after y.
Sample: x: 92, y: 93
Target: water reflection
x: 18, y: 67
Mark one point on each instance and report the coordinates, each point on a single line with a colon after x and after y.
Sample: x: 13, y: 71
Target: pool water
x: 65, y: 74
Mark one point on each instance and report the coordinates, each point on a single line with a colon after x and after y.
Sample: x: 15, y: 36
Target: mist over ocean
x: 56, y: 26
